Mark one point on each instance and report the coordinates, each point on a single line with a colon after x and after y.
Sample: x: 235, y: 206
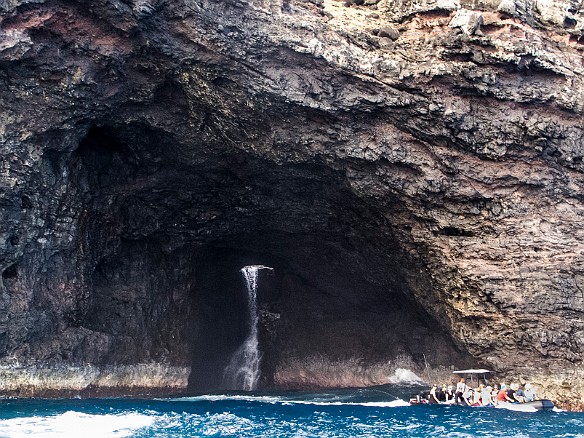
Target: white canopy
x: 472, y: 371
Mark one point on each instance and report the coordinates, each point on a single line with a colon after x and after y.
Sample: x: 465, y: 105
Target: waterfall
x: 243, y: 370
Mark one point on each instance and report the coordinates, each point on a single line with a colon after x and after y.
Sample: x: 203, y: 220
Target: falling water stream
x: 243, y: 370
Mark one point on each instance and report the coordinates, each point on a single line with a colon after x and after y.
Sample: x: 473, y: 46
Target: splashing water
x: 344, y: 413
x: 243, y: 370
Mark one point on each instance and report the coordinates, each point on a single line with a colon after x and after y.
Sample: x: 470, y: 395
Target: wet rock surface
x: 412, y: 171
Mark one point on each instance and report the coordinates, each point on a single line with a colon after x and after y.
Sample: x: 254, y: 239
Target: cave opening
x: 166, y: 225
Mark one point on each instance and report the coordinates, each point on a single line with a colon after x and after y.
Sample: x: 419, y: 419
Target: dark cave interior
x: 165, y: 225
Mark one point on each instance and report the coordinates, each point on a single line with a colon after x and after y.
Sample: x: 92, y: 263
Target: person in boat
x: 494, y: 395
x: 434, y: 394
x: 486, y: 396
x: 519, y: 393
x: 468, y: 396
x: 481, y: 395
x: 460, y: 389
x: 510, y: 395
x: 529, y: 393
x: 476, y: 395
x: 502, y: 394
x: 450, y: 394
x: 442, y: 394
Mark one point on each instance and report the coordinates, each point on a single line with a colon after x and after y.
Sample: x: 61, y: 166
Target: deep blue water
x: 343, y: 413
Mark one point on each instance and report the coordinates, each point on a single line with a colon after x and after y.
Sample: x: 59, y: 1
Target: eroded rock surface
x: 412, y: 169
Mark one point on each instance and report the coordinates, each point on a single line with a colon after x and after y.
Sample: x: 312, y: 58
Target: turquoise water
x: 343, y: 413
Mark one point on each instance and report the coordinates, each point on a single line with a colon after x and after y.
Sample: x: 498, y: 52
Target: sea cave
x: 411, y: 174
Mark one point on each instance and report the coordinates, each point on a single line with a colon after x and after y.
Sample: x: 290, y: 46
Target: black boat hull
x: 541, y: 405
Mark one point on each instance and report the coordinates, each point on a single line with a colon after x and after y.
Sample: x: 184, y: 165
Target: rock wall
x: 413, y: 158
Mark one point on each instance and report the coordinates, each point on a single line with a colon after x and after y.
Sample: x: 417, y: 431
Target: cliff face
x: 412, y: 169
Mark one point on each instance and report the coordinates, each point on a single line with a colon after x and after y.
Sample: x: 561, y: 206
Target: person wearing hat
x: 502, y: 395
x: 486, y: 398
x: 529, y: 393
x: 510, y: 395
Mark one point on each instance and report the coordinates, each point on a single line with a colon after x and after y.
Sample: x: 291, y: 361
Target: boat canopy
x: 472, y: 371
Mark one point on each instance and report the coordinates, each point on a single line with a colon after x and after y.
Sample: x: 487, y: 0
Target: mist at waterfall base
x: 369, y: 412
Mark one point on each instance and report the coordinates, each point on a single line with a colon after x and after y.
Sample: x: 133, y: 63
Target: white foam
x: 404, y: 376
x: 391, y: 404
x: 75, y: 424
x: 223, y: 397
x: 288, y: 401
x: 226, y: 424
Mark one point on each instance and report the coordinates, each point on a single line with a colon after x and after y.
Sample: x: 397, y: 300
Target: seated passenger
x: 494, y: 395
x: 502, y: 394
x: 519, y: 394
x: 433, y: 394
x: 442, y: 394
x: 529, y: 393
x: 486, y: 398
x: 476, y: 398
x: 450, y: 394
x: 468, y: 396
x: 460, y: 389
x: 510, y: 394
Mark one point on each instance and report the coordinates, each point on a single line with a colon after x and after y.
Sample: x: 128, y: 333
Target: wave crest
x: 73, y: 423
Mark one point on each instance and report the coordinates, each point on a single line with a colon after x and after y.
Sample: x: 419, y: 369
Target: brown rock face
x: 411, y: 169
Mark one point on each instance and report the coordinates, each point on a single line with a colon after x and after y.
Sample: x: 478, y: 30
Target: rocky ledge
x: 411, y: 169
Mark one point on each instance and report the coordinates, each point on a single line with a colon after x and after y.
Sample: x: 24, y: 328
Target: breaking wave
x: 403, y: 376
x: 70, y: 424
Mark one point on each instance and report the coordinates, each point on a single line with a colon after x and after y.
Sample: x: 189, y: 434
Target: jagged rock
x: 507, y: 7
x: 468, y: 21
x: 420, y: 199
x: 14, y: 44
x: 388, y: 32
x: 399, y: 10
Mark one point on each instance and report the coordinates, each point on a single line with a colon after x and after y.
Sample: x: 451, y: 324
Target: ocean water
x: 376, y: 412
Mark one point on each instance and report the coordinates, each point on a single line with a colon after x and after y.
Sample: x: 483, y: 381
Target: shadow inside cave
x: 163, y: 239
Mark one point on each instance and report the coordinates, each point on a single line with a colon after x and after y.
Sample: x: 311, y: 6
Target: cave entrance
x: 223, y: 322
x: 227, y: 352
x: 169, y: 225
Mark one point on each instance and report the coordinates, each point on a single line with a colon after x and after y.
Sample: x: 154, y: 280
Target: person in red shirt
x: 502, y: 394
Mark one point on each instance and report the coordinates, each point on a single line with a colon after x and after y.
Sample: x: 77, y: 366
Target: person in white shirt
x: 460, y: 390
x: 529, y: 393
x: 486, y: 396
